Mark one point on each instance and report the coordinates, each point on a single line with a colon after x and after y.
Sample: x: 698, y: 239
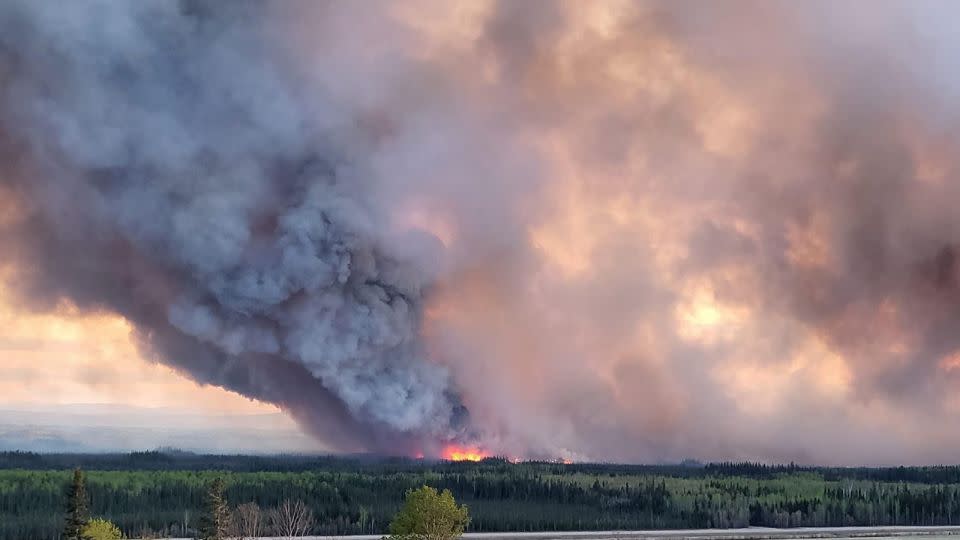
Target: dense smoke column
x: 167, y: 171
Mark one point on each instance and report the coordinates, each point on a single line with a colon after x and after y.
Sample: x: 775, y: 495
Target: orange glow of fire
x: 453, y: 452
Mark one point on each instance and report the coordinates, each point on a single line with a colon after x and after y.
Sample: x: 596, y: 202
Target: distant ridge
x: 124, y: 428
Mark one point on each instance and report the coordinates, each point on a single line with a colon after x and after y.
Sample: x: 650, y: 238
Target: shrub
x: 101, y: 529
x: 429, y: 515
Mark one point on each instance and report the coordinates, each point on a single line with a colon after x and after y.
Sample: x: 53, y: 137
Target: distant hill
x: 119, y: 428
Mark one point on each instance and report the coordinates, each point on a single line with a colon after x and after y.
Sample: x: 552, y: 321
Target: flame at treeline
x: 457, y: 452
x: 453, y: 452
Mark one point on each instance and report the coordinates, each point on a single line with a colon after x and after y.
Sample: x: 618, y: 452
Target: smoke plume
x: 608, y: 230
x: 174, y: 175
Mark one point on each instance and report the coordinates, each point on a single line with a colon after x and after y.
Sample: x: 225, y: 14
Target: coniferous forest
x: 162, y: 493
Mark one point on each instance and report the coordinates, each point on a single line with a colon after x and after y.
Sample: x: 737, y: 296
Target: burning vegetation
x: 452, y: 452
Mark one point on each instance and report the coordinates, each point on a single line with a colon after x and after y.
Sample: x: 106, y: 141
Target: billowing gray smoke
x: 611, y: 230
x: 173, y: 175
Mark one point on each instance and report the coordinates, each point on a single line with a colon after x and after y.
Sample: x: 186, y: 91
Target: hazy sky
x: 66, y: 357
x: 618, y: 230
x: 73, y: 382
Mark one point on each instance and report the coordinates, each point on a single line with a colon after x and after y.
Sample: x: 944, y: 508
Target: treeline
x: 359, y: 495
x: 939, y: 474
x: 176, y: 460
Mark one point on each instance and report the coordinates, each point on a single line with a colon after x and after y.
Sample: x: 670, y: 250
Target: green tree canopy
x: 101, y: 529
x: 429, y: 515
x: 215, y: 523
x: 77, y: 508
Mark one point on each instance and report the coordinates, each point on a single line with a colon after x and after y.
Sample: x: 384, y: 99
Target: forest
x: 161, y: 493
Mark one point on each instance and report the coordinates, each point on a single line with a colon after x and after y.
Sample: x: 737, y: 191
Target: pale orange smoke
x: 687, y: 271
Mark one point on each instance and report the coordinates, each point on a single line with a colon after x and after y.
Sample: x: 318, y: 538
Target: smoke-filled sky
x: 628, y: 231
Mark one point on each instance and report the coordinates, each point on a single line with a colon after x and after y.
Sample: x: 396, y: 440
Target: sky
x: 72, y: 381
x: 66, y: 357
x: 618, y: 231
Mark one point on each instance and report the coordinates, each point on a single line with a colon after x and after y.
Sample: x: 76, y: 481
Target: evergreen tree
x: 77, y: 508
x: 215, y: 522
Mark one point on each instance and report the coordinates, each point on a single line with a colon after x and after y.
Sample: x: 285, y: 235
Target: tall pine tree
x: 77, y: 508
x: 215, y: 521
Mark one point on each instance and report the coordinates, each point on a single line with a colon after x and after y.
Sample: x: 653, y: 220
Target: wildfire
x: 454, y: 452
